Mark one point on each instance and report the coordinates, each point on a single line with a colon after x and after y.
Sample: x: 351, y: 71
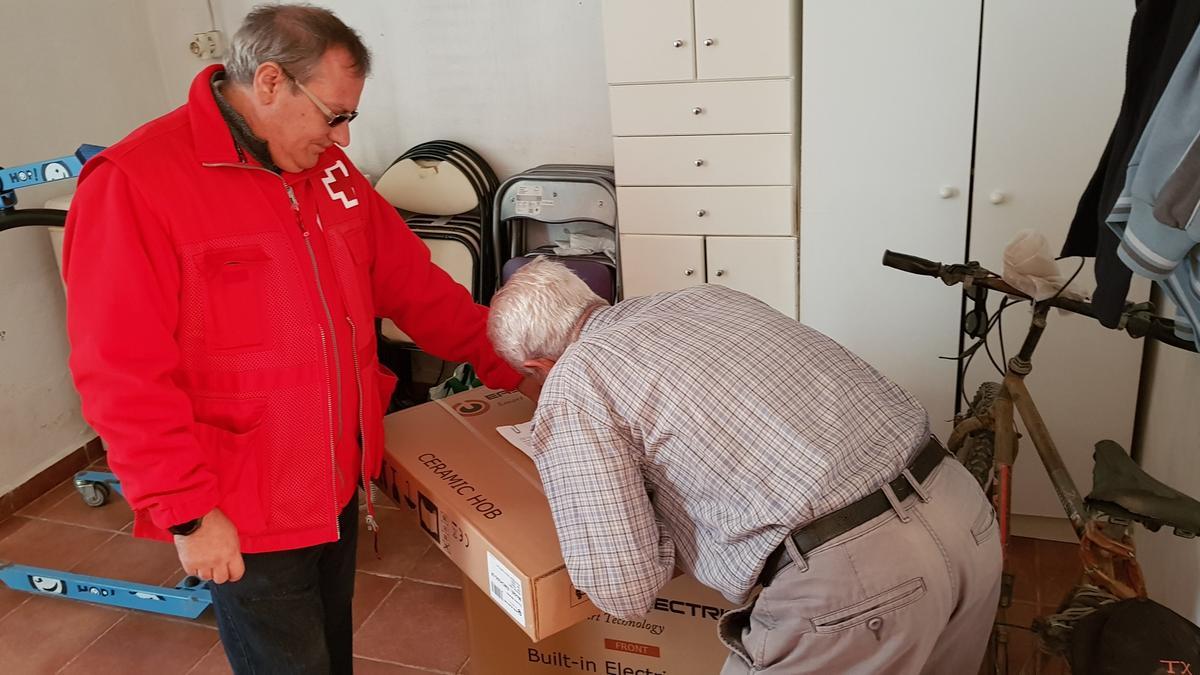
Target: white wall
x: 1170, y: 451
x: 521, y: 81
x: 70, y: 88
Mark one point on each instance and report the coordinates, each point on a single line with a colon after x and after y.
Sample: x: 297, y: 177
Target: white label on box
x: 506, y: 588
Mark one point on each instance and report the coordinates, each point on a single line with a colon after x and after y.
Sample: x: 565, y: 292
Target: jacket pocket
x: 888, y: 601
x: 228, y: 431
x: 235, y: 305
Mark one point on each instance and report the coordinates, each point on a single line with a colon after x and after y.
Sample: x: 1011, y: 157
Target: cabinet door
x: 652, y: 264
x: 648, y: 41
x: 764, y: 267
x: 745, y: 39
x: 886, y: 114
x: 1046, y: 107
x: 693, y: 108
x: 748, y: 210
x: 751, y: 159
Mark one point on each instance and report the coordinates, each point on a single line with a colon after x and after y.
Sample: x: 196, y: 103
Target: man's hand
x: 212, y: 551
x: 531, y: 388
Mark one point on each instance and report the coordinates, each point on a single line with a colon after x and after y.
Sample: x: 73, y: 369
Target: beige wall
x: 76, y: 72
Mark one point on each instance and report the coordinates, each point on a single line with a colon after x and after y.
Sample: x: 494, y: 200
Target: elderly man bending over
x: 703, y: 429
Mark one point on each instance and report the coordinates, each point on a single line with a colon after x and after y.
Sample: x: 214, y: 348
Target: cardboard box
x: 677, y: 637
x: 481, y: 501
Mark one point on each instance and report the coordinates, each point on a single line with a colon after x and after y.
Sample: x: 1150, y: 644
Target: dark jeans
x: 291, y: 612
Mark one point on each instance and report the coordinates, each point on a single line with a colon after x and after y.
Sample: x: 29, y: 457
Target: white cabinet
x: 1046, y: 108
x: 744, y: 39
x: 649, y: 41
x: 750, y: 210
x: 889, y: 122
x: 706, y: 155
x: 886, y: 112
x: 658, y: 42
x: 764, y: 267
x: 689, y: 108
x: 653, y: 264
x: 751, y: 159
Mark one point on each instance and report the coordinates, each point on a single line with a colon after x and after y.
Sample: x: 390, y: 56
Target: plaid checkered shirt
x: 697, y: 428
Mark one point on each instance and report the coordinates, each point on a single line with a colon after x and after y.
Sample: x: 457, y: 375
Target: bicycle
x: 985, y: 438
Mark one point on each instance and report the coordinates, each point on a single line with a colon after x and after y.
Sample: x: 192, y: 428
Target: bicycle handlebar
x: 1135, y: 320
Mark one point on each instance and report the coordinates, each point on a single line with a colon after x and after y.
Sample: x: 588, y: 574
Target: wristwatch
x: 186, y: 528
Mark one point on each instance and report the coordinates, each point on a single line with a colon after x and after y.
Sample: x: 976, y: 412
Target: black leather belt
x: 830, y: 525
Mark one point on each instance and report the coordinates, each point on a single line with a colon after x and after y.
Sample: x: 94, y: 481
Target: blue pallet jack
x: 190, y: 597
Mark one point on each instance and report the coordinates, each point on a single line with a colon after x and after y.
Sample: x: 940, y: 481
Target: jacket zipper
x: 372, y: 524
x: 336, y: 474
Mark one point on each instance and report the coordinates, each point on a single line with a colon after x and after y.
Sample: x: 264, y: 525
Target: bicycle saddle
x: 1121, y: 488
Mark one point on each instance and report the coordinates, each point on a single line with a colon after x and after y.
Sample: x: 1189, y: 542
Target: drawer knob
x: 697, y: 110
x: 689, y: 272
x: 677, y: 44
x: 708, y: 42
x: 699, y: 162
x: 948, y: 192
x: 719, y: 273
x: 997, y: 197
x: 701, y: 213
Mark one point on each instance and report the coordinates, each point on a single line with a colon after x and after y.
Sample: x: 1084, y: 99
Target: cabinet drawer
x: 755, y: 210
x: 764, y: 267
x: 755, y: 107
x: 652, y: 264
x: 704, y: 160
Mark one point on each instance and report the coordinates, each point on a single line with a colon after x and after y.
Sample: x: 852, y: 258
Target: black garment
x: 291, y: 612
x: 1160, y: 32
x: 1134, y: 637
x: 243, y: 138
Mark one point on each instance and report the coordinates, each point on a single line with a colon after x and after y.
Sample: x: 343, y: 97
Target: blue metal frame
x: 40, y: 173
x: 185, y: 600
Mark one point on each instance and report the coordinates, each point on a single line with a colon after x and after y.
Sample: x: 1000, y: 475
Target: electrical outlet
x: 208, y: 45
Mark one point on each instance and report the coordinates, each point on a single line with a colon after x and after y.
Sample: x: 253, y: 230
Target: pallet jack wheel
x: 94, y: 493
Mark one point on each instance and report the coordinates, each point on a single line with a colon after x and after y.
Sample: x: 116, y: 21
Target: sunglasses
x: 332, y: 118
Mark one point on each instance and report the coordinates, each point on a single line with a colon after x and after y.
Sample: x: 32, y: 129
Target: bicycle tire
x: 978, y: 452
x: 32, y: 218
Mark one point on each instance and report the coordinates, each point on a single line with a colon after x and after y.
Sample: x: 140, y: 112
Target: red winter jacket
x: 215, y: 307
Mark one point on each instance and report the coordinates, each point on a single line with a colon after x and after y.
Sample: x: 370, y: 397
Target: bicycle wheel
x: 978, y: 451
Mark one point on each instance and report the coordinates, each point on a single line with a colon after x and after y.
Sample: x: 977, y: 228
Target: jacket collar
x: 211, y: 135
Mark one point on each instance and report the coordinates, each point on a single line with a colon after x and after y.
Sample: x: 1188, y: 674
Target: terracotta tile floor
x: 59, y: 531
x: 408, y: 612
x: 1045, y: 571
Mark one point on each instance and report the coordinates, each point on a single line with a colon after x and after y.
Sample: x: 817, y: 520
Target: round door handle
x: 997, y: 197
x: 708, y: 42
x: 689, y: 272
x: 699, y: 162
x: 719, y: 273
x: 697, y: 110
x: 701, y: 213
x: 677, y: 44
x: 948, y: 192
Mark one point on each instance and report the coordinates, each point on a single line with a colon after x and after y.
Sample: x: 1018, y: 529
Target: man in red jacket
x: 225, y: 265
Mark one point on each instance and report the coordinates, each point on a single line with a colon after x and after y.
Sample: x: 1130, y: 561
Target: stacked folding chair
x: 445, y: 192
x: 536, y: 211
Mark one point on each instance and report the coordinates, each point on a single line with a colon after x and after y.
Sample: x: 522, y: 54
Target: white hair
x: 534, y: 314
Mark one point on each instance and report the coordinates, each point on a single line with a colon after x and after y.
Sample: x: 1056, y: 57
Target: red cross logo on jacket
x: 339, y: 185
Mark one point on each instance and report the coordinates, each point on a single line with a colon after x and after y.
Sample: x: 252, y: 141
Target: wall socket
x: 208, y: 45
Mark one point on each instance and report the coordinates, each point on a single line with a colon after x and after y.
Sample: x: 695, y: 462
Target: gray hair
x: 295, y: 37
x: 534, y: 314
